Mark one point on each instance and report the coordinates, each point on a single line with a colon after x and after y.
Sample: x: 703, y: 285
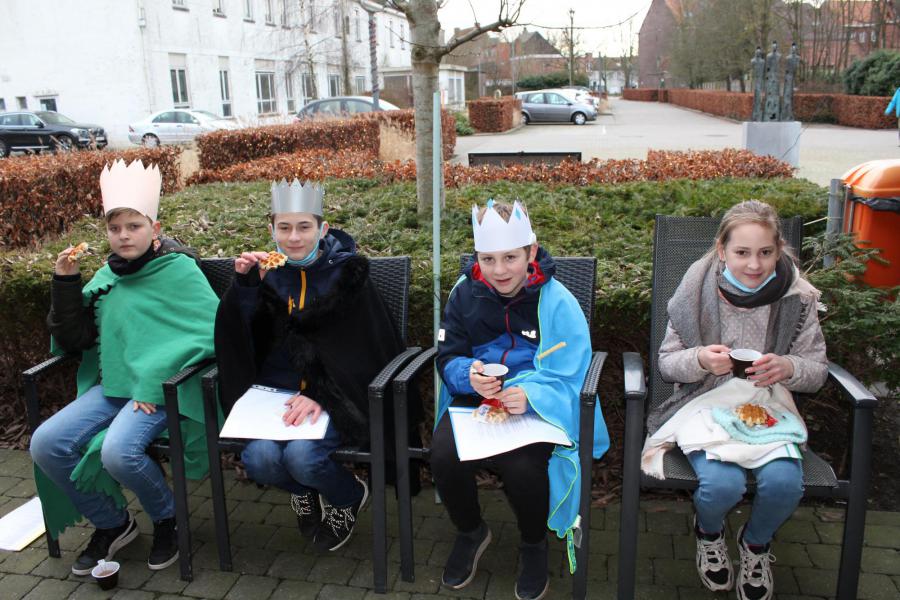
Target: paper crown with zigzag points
x: 494, y: 234
x: 296, y: 197
x: 131, y: 186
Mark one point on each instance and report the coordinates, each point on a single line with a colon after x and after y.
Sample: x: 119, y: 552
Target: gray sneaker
x: 754, y: 580
x: 713, y: 564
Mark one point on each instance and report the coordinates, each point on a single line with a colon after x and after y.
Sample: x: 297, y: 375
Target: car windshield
x: 207, y: 115
x: 54, y: 118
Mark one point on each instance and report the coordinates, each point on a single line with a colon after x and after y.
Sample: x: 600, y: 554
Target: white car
x: 176, y: 126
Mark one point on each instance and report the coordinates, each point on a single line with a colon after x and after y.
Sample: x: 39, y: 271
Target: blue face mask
x: 309, y: 258
x: 730, y: 278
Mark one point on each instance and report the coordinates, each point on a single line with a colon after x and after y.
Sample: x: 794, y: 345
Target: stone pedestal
x: 780, y: 139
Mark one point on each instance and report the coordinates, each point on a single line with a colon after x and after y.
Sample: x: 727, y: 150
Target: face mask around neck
x: 730, y: 278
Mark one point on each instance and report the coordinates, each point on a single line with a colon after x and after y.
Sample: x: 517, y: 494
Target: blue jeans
x: 57, y: 445
x: 300, y: 466
x: 779, y: 488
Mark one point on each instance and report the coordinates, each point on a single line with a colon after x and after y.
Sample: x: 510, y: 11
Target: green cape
x: 152, y: 324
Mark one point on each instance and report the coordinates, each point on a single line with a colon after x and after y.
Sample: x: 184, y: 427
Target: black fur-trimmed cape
x: 339, y: 342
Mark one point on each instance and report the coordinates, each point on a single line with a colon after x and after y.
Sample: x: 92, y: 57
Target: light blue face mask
x: 309, y: 258
x: 730, y: 278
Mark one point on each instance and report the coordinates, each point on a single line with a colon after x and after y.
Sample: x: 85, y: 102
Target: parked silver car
x: 340, y: 106
x: 555, y: 106
x: 175, y: 126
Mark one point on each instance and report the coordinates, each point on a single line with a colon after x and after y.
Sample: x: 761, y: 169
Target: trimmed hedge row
x: 223, y: 148
x: 494, y: 114
x: 842, y: 109
x: 41, y: 196
x: 659, y: 166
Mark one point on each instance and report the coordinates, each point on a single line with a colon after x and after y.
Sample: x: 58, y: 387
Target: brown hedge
x: 842, y: 109
x: 493, y: 114
x: 228, y: 147
x: 42, y: 195
x: 659, y: 166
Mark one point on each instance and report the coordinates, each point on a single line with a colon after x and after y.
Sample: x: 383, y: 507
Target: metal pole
x: 835, y: 221
x: 436, y: 186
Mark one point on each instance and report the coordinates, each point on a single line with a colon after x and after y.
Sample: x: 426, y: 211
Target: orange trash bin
x: 872, y: 213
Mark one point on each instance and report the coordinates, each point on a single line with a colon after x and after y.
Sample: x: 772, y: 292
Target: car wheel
x: 525, y: 118
x: 64, y: 143
x: 579, y: 118
x: 150, y: 141
x: 4, y: 149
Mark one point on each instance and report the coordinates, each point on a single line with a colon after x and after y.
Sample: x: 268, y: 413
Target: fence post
x: 835, y: 220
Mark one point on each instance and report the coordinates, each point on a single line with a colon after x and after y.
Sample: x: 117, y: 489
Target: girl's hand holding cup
x: 769, y: 370
x: 715, y: 359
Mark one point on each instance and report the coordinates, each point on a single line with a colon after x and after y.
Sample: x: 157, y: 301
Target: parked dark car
x: 35, y: 131
x: 340, y: 106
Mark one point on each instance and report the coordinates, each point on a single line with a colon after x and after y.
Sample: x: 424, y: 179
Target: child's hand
x: 300, y: 407
x: 715, y: 359
x: 514, y: 400
x: 484, y: 385
x: 65, y: 266
x: 245, y: 262
x: 769, y: 370
x: 145, y: 407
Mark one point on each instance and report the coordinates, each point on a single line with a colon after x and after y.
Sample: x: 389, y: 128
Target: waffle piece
x: 77, y: 252
x: 490, y: 414
x: 752, y: 415
x: 273, y: 261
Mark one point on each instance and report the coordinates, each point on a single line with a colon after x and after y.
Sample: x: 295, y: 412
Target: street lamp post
x: 571, y: 46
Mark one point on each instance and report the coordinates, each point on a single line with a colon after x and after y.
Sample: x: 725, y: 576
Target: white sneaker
x: 713, y: 564
x: 754, y: 581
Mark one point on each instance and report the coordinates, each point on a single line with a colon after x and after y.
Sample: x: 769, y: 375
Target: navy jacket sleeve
x: 454, y: 357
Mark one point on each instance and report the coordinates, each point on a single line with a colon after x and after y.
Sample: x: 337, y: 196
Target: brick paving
x: 272, y: 562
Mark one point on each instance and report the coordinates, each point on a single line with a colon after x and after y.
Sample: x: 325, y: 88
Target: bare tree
x: 427, y: 51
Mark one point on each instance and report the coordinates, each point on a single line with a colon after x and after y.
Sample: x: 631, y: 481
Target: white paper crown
x: 494, y: 234
x: 296, y: 197
x: 132, y: 187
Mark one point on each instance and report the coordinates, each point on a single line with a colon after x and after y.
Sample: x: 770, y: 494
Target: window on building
x: 284, y: 13
x: 178, y: 77
x: 337, y: 20
x: 225, y: 87
x: 307, y: 88
x: 2, y: 104
x: 219, y: 7
x: 402, y: 36
x: 872, y: 36
x: 248, y: 10
x: 270, y: 15
x: 360, y: 85
x: 311, y: 4
x: 48, y: 103
x: 265, y: 92
x: 289, y: 91
x: 178, y: 3
x: 22, y: 102
x: 357, y: 25
x: 334, y: 85
x: 391, y: 31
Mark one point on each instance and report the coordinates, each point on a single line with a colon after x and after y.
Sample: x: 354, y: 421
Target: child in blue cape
x: 509, y: 309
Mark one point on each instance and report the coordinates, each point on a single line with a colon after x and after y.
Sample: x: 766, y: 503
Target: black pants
x: 524, y: 475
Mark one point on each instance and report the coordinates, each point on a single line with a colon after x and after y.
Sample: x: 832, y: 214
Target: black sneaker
x: 308, y: 507
x: 338, y: 523
x: 104, y: 544
x: 533, y: 581
x: 165, y: 545
x: 459, y: 571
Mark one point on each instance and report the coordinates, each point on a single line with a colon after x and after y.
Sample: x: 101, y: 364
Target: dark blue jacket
x: 480, y: 324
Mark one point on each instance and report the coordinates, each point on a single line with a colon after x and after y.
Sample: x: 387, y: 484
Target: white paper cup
x: 495, y: 370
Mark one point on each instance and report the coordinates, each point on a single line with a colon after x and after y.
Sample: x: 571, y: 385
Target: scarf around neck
x: 769, y: 293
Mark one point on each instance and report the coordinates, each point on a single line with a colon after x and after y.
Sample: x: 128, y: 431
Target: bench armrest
x: 635, y: 382
x: 852, y: 389
x: 47, y: 366
x: 588, y: 393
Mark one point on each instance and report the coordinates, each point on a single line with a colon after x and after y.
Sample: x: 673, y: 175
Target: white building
x: 113, y: 62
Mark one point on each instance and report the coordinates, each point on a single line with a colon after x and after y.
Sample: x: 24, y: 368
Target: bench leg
x: 855, y: 519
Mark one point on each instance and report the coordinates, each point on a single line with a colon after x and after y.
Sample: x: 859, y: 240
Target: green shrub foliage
x: 877, y: 74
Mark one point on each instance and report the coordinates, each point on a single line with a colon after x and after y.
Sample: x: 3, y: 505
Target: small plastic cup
x: 495, y: 370
x: 742, y: 358
x: 106, y: 574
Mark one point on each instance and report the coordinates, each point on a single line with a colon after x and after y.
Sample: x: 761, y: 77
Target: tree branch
x: 456, y: 42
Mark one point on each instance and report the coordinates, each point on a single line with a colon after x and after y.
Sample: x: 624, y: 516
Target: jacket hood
x: 337, y: 246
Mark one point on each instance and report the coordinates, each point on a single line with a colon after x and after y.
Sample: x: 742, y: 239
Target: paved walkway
x: 271, y: 561
x: 826, y: 151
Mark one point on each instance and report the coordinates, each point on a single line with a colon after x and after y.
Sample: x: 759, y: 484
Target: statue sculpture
x: 758, y: 70
x: 773, y: 60
x: 787, y: 101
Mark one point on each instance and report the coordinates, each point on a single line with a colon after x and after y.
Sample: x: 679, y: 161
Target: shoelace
x: 756, y: 569
x: 714, y: 554
x: 339, y: 518
x: 302, y: 505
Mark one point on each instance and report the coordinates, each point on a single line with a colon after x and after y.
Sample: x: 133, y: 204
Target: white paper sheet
x: 475, y: 440
x: 257, y: 415
x: 22, y: 526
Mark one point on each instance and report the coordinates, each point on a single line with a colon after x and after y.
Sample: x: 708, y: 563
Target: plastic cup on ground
x: 106, y: 574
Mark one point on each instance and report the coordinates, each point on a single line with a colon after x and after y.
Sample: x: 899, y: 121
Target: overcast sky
x: 597, y: 17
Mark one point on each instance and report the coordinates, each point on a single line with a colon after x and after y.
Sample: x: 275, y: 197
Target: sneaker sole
x: 117, y: 544
x: 541, y: 595
x: 161, y: 566
x: 362, y: 505
x: 478, y: 553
